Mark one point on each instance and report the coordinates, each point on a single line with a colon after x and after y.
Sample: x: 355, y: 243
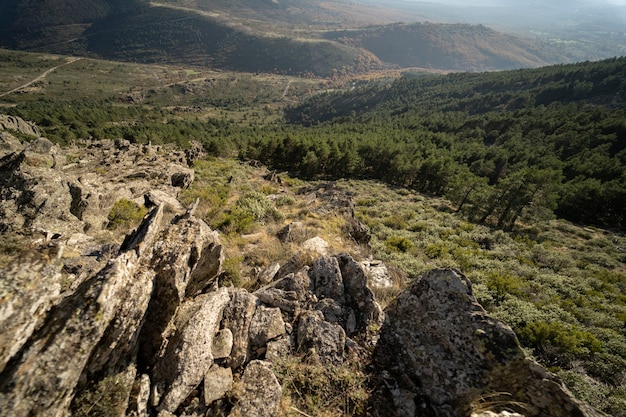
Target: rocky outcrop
x: 19, y: 125
x: 442, y: 354
x: 47, y: 189
x: 143, y: 328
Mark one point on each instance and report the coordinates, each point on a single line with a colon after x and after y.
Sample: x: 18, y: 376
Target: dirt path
x: 41, y: 77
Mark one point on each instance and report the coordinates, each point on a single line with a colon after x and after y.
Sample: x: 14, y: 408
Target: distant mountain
x: 294, y: 37
x: 446, y: 46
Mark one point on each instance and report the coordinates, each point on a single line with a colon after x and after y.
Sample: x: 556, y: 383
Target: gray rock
x: 328, y: 282
x: 40, y: 145
x: 268, y: 274
x: 277, y: 349
x: 29, y: 288
x: 260, y: 392
x: 237, y: 317
x: 293, y: 232
x: 317, y: 245
x: 179, y: 273
x: 323, y: 339
x: 18, y: 124
x: 182, y: 179
x: 222, y: 344
x: 359, y: 297
x: 42, y: 382
x: 443, y: 350
x: 139, y: 397
x: 120, y: 338
x: 188, y: 356
x: 266, y: 324
x: 217, y: 382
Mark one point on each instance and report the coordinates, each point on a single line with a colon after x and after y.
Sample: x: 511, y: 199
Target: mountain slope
x: 456, y: 47
x: 287, y: 37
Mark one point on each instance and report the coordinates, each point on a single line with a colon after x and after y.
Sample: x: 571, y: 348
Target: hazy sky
x: 610, y: 14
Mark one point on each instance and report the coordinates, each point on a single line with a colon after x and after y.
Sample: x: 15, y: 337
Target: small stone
x: 216, y: 383
x: 222, y: 344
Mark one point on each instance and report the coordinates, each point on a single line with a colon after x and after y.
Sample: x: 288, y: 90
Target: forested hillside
x: 501, y: 145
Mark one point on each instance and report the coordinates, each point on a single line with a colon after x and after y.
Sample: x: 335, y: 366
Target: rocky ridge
x: 146, y: 328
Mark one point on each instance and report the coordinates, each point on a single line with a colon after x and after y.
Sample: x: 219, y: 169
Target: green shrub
x: 558, y: 338
x: 285, y: 200
x: 398, y: 243
x: 125, y: 214
x: 257, y: 206
x: 503, y: 285
x: 234, y: 221
x: 395, y: 222
x: 437, y: 250
x: 231, y: 272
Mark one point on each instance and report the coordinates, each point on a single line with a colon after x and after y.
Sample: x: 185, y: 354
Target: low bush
x: 398, y: 243
x: 125, y: 214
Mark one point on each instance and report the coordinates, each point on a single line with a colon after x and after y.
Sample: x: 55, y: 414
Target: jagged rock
x: 157, y: 197
x: 34, y: 196
x: 323, y: 339
x: 327, y: 279
x: 266, y: 324
x: 179, y: 274
x: 193, y: 153
x: 217, y: 382
x: 139, y: 397
x: 359, y: 297
x: 445, y: 353
x: 29, y: 287
x: 358, y: 231
x: 222, y: 344
x: 268, y: 274
x: 286, y: 301
x: 294, y: 264
x: 292, y: 293
x: 237, y: 317
x: 182, y: 179
x: 260, y: 392
x: 18, y: 124
x: 277, y: 349
x: 120, y: 338
x: 42, y: 382
x: 40, y: 145
x: 332, y: 311
x: 188, y: 355
x: 8, y: 144
x: 378, y: 274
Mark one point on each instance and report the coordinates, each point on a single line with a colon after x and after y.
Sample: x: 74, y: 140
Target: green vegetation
x: 125, y: 214
x: 558, y: 285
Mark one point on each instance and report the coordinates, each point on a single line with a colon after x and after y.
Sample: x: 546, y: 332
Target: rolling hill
x: 287, y: 37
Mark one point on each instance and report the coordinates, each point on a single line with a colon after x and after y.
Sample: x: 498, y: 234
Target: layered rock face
x: 145, y: 329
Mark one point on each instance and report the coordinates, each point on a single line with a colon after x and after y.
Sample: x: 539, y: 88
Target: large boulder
x: 443, y: 354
